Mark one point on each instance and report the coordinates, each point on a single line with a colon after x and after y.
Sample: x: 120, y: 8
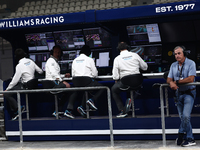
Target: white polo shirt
x: 52, y: 69
x: 84, y: 66
x: 127, y: 63
x: 24, y: 71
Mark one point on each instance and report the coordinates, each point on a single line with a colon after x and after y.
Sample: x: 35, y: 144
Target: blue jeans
x: 184, y: 106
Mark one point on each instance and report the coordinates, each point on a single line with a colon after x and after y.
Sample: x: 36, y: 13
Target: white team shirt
x: 84, y: 66
x: 24, y: 71
x: 52, y: 69
x: 127, y: 63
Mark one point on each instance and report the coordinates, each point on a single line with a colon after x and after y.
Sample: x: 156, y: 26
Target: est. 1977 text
x: 164, y: 9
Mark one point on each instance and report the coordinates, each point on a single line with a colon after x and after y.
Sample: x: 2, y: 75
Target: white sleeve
x: 73, y: 71
x: 93, y: 69
x: 143, y: 64
x: 15, y: 79
x: 38, y: 69
x: 115, y: 71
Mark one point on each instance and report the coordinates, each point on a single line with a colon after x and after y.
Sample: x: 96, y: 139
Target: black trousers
x: 76, y: 94
x: 116, y: 94
x: 12, y: 102
x: 62, y: 97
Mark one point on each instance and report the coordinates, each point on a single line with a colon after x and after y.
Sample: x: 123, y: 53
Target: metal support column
x: 56, y: 105
x: 132, y: 103
x: 110, y: 118
x: 162, y: 116
x: 27, y: 108
x: 166, y: 101
x: 20, y: 117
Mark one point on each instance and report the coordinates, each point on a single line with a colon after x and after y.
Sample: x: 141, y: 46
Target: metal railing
x: 66, y: 90
x: 165, y: 85
x: 109, y: 105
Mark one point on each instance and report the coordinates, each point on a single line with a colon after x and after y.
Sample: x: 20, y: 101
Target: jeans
x: 184, y: 106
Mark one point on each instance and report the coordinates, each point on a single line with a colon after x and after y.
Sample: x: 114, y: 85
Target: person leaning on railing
x: 183, y: 71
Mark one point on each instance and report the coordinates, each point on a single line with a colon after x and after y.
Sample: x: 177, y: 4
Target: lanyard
x: 180, y: 71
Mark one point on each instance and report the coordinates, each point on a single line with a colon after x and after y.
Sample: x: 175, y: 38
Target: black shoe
x: 82, y: 112
x: 122, y: 115
x: 16, y: 114
x: 189, y: 142
x: 179, y: 140
x: 90, y: 103
x: 128, y: 105
x: 68, y: 114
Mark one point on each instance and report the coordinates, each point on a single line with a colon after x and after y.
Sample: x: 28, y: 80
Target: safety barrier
x: 109, y: 105
x: 67, y: 90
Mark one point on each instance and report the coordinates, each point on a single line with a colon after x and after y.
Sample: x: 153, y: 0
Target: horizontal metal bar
x: 187, y: 84
x: 55, y: 89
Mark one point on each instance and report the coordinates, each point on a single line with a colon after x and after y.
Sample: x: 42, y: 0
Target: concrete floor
x: 93, y: 145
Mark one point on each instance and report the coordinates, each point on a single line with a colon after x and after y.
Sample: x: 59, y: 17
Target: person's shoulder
x: 18, y: 65
x: 50, y: 59
x: 118, y: 56
x: 83, y: 56
x: 90, y: 58
x: 174, y: 63
x: 28, y: 59
x: 75, y: 59
x: 133, y: 53
x: 189, y: 60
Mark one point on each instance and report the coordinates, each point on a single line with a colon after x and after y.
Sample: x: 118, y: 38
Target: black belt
x: 187, y: 91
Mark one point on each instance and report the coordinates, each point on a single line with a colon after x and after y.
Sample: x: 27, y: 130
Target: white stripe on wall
x: 96, y: 132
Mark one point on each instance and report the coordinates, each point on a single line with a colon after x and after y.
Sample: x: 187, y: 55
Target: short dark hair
x: 56, y: 46
x: 19, y: 54
x: 122, y: 46
x: 85, y: 50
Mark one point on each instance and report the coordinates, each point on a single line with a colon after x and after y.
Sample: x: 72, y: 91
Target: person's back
x: 84, y: 66
x: 27, y: 68
x: 126, y: 63
x: 24, y: 72
x: 129, y: 63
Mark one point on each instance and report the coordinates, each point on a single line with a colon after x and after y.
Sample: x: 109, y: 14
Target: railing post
x: 166, y: 101
x: 27, y: 108
x: 20, y: 117
x: 162, y: 116
x: 56, y: 105
x: 110, y: 118
x: 87, y: 107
